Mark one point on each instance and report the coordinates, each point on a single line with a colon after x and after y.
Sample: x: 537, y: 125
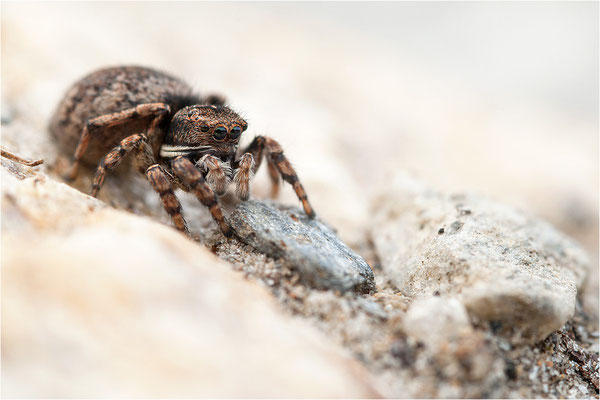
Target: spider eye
x: 235, y: 132
x: 204, y: 128
x: 244, y: 128
x: 220, y: 133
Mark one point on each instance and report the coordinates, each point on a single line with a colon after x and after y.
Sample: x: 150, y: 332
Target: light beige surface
x: 347, y: 103
x: 99, y: 303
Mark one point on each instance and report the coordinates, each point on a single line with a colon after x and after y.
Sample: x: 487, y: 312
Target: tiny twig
x: 20, y: 160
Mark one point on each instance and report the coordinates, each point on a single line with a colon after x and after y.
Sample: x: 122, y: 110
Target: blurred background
x: 497, y: 98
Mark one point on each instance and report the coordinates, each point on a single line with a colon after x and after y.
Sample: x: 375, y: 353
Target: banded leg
x: 282, y: 165
x: 160, y: 182
x: 243, y: 175
x: 192, y: 178
x: 274, y: 175
x: 113, y: 158
x: 218, y: 173
x: 158, y: 110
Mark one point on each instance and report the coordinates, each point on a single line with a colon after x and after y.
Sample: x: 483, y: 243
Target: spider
x: 178, y: 139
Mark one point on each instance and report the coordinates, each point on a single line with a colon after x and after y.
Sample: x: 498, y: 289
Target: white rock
x: 503, y: 265
x: 436, y: 321
x: 101, y: 303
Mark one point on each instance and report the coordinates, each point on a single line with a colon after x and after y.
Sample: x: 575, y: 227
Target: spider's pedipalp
x: 218, y: 173
x: 243, y: 176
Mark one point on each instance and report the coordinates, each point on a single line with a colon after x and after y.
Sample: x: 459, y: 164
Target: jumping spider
x: 178, y: 139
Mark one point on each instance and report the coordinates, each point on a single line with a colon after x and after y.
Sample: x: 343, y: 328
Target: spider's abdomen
x: 111, y: 90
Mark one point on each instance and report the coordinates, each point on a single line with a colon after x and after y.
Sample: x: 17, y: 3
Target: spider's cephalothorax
x: 199, y: 130
x: 179, y: 139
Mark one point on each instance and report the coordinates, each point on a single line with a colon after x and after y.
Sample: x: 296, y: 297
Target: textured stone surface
x: 324, y: 262
x: 436, y: 321
x: 101, y: 303
x: 504, y: 265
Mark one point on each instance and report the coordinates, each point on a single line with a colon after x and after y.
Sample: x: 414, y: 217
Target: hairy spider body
x: 178, y: 138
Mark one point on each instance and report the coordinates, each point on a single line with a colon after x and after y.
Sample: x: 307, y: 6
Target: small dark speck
x: 10, y: 198
x: 441, y: 231
x: 403, y: 352
x: 509, y: 369
x: 282, y: 243
x: 496, y: 326
x: 292, y: 216
x: 436, y: 293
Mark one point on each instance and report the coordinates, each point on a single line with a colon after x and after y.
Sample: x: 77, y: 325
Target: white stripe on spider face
x: 170, y: 151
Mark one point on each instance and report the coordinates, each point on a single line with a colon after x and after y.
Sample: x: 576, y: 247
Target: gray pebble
x: 372, y: 308
x: 321, y: 259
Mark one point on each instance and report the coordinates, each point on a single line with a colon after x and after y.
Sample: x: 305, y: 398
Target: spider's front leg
x: 159, y: 179
x: 187, y: 172
x: 278, y: 163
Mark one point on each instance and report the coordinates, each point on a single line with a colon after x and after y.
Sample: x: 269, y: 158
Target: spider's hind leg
x: 95, y: 125
x: 113, y: 158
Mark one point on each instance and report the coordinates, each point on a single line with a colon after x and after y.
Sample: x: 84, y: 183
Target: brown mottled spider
x: 178, y: 139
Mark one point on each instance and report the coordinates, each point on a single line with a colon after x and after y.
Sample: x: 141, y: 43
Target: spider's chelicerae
x: 178, y: 139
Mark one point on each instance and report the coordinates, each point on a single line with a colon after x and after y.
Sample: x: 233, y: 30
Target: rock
x: 452, y: 348
x: 322, y: 261
x: 98, y: 302
x: 503, y: 265
x: 435, y: 321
